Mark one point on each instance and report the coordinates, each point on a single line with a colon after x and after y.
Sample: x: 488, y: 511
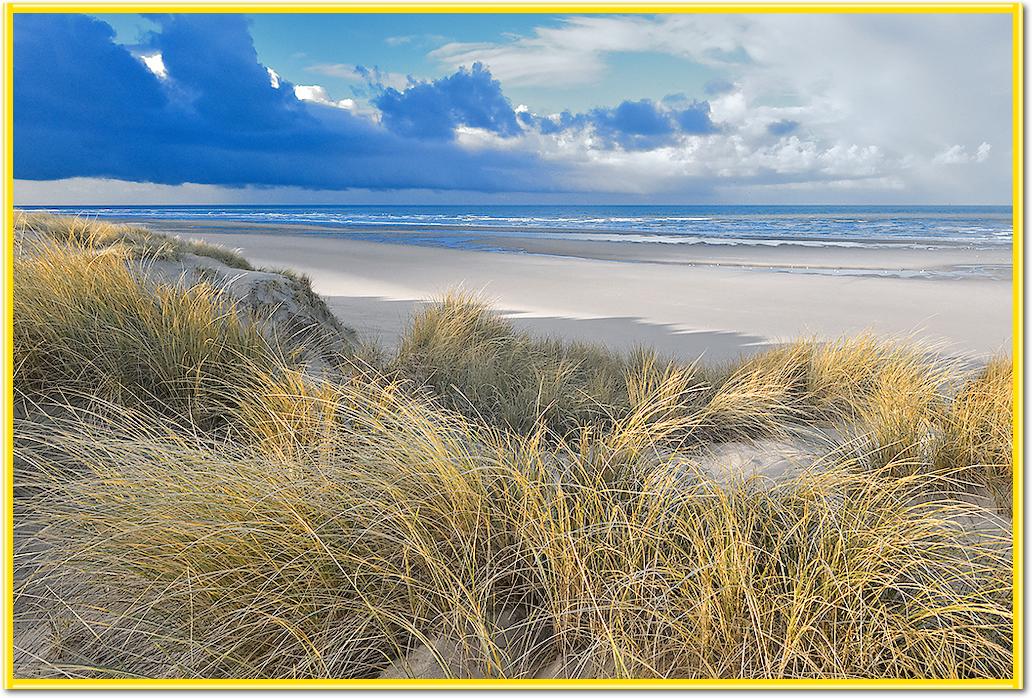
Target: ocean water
x: 470, y: 226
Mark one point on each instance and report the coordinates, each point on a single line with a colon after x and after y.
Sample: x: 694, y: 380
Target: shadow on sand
x: 384, y: 320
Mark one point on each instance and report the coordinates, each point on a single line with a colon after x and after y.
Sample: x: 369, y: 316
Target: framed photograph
x: 515, y: 346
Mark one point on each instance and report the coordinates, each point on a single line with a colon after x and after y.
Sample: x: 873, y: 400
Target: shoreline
x: 684, y: 311
x: 883, y: 257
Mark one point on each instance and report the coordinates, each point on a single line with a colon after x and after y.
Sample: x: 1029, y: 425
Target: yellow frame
x: 1013, y: 9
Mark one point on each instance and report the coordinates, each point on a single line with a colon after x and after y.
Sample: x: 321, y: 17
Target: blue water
x: 850, y: 226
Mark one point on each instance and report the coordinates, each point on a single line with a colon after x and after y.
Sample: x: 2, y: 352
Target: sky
x: 497, y: 108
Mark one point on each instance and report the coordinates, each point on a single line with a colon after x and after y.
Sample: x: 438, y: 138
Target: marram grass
x: 179, y: 555
x: 32, y: 228
x: 977, y: 430
x: 193, y: 503
x: 86, y: 322
x: 481, y: 366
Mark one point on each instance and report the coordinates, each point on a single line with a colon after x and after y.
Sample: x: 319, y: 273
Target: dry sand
x: 709, y: 300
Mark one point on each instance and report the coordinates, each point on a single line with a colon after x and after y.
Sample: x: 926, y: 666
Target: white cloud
x: 958, y: 155
x: 414, y: 39
x: 954, y: 155
x: 274, y: 78
x: 155, y: 64
x: 729, y: 108
x: 708, y: 162
x: 318, y: 95
x: 336, y: 70
x: 876, y: 97
x: 574, y: 52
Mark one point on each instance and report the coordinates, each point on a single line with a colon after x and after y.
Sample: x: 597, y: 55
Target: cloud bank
x: 810, y: 107
x: 86, y: 107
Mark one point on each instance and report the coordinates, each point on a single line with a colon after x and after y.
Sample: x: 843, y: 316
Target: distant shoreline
x: 922, y: 226
x: 836, y: 257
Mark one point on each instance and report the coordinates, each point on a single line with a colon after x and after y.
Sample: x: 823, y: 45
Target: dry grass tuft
x: 481, y: 366
x: 762, y: 395
x: 85, y: 322
x: 977, y: 431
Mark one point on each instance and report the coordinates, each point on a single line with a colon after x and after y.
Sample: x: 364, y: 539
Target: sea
x: 982, y: 227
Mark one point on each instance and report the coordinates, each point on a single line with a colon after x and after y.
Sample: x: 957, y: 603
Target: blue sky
x: 512, y: 108
x: 301, y: 47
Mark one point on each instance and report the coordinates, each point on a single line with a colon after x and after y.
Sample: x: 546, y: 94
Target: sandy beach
x: 686, y: 301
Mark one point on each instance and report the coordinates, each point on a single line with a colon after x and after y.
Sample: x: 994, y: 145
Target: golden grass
x: 893, y: 393
x: 391, y: 524
x: 85, y: 322
x: 481, y: 366
x: 977, y: 431
x: 192, y: 504
x: 84, y: 232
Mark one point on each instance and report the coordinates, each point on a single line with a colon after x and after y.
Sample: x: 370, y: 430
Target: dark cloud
x: 84, y: 106
x: 550, y: 125
x: 633, y: 125
x: 435, y: 109
x: 783, y: 127
x: 69, y: 76
x: 233, y: 88
x: 695, y: 118
x: 632, y: 120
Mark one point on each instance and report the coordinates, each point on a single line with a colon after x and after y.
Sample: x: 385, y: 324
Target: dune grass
x: 87, y: 233
x: 894, y: 395
x: 193, y: 503
x: 479, y: 364
x: 977, y: 430
x: 86, y: 323
x: 387, y: 524
x: 91, y: 319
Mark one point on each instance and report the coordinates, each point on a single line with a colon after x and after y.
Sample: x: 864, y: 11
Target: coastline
x: 713, y: 301
x: 909, y: 259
